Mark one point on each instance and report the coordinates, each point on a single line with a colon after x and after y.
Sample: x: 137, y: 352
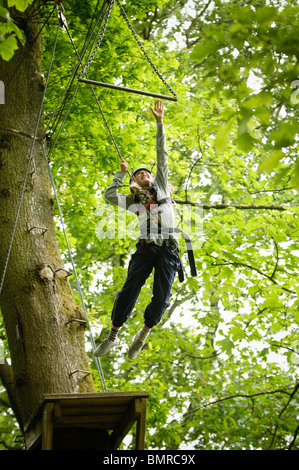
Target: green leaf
x: 21, y: 5
x: 295, y: 177
x: 245, y: 141
x: 266, y: 14
x: 227, y: 345
x: 263, y: 98
x: 203, y: 50
x: 8, y: 47
x: 244, y: 15
x: 272, y: 160
x: 285, y: 135
x: 237, y: 333
x: 4, y: 13
x: 223, y: 136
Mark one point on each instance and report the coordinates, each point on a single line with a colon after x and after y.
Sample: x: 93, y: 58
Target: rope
x: 110, y: 5
x: 28, y: 166
x: 34, y: 137
x: 46, y: 157
x: 84, y: 72
x: 63, y: 22
x: 92, y: 56
x: 143, y: 49
x: 91, y: 338
x: 68, y: 86
x: 63, y: 121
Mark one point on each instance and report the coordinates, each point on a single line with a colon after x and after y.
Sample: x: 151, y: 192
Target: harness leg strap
x: 189, y: 251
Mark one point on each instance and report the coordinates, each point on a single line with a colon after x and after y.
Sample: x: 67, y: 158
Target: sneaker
x: 105, y: 346
x: 136, y: 346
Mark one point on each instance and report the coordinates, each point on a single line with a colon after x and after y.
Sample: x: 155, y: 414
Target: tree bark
x: 37, y: 301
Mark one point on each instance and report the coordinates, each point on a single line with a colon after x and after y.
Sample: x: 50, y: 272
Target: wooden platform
x: 114, y: 412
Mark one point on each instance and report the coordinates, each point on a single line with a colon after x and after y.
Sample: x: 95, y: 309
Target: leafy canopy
x: 222, y: 366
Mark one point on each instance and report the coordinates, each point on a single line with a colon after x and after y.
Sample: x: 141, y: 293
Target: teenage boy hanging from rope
x: 157, y: 245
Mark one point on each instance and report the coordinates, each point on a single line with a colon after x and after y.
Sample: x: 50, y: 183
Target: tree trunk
x: 36, y: 301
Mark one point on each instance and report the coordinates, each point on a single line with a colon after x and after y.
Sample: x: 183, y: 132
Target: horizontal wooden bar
x: 129, y: 90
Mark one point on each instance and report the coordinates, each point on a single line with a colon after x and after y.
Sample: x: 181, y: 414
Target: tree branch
x: 238, y: 395
x: 289, y: 400
x: 244, y: 265
x: 194, y: 22
x: 294, y: 438
x: 277, y: 259
x: 291, y: 396
x: 8, y: 447
x: 201, y: 358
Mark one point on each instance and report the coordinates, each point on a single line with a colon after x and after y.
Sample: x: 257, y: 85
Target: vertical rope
x: 97, y: 360
x: 91, y: 87
x: 70, y: 81
x: 28, y: 166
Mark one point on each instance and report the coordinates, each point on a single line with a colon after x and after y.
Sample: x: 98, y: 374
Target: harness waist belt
x: 165, y: 232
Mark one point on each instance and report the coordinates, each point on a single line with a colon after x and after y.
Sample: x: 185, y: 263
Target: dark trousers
x: 147, y: 256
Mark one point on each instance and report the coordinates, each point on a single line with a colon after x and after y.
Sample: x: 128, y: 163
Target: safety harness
x: 149, y: 198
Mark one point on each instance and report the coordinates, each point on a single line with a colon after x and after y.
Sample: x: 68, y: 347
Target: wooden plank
x: 141, y: 424
x: 93, y: 410
x: 115, y: 411
x: 69, y: 420
x: 79, y: 399
x: 56, y: 410
x: 91, y: 399
x: 94, y: 395
x: 127, y: 422
x: 107, y: 426
x: 33, y: 436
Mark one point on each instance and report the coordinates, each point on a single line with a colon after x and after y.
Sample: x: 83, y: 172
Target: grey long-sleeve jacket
x: 166, y: 217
